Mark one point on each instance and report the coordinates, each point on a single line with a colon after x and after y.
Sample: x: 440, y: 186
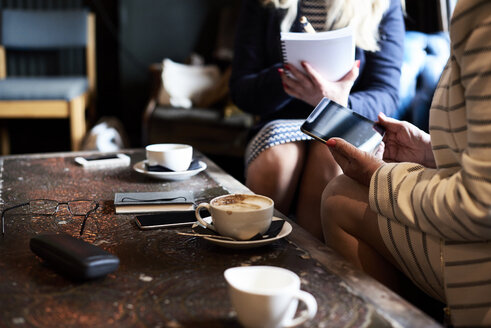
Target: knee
x: 323, y: 162
x: 335, y: 187
x: 330, y: 210
x: 265, y: 165
x: 272, y: 162
x: 331, y: 203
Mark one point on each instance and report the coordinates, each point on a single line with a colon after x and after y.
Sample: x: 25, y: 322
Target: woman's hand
x: 311, y: 87
x: 355, y: 163
x: 404, y: 142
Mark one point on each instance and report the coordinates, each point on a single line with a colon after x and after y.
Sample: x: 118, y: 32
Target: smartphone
x: 165, y: 219
x: 103, y: 160
x: 330, y: 119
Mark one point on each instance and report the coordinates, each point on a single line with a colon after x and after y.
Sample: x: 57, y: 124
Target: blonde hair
x: 363, y: 15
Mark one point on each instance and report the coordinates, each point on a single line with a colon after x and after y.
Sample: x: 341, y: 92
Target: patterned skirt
x: 274, y: 133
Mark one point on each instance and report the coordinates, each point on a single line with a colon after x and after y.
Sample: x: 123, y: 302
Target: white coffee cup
x: 240, y: 216
x: 176, y: 157
x: 267, y: 296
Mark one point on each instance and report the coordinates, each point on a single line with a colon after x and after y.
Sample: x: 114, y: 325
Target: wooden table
x: 164, y: 279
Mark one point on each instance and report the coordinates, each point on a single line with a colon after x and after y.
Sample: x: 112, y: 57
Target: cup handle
x: 200, y: 219
x: 308, y: 314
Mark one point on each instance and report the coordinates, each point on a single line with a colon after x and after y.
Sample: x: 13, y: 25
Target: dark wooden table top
x: 164, y: 279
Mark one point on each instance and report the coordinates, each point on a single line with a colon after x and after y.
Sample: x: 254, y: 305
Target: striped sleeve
x: 452, y: 202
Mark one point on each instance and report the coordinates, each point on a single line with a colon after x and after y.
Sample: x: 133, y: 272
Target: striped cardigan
x: 453, y: 201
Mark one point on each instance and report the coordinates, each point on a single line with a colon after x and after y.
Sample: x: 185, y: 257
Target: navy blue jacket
x: 255, y: 83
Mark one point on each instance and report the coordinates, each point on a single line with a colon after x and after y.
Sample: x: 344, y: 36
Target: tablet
x: 330, y: 119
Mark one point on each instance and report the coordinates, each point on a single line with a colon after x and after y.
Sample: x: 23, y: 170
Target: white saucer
x: 140, y: 168
x: 285, y: 231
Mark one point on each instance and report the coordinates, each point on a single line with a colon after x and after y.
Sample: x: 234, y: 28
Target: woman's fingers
x: 384, y: 119
x: 298, y: 75
x: 379, y: 151
x: 288, y: 85
x: 390, y: 123
x: 342, y: 151
x: 351, y: 76
x: 316, y: 79
x: 355, y: 163
x: 296, y: 83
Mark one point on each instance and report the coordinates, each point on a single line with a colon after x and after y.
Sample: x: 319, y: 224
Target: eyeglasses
x: 78, y: 207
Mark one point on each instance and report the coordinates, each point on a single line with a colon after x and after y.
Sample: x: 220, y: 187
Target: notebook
x: 331, y: 53
x: 141, y: 202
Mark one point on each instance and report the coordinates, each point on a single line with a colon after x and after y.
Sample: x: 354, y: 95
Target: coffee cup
x: 267, y: 296
x: 239, y: 216
x: 175, y: 157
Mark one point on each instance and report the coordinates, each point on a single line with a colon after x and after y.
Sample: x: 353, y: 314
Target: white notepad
x: 331, y: 53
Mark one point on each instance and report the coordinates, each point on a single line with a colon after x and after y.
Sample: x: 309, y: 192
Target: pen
x: 306, y: 25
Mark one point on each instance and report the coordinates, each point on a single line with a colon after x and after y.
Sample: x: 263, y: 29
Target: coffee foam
x: 241, y: 203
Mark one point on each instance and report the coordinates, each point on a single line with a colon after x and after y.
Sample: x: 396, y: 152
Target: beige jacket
x: 453, y: 202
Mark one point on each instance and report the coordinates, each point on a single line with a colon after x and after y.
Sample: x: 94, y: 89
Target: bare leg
x: 320, y: 168
x: 275, y: 173
x: 351, y: 228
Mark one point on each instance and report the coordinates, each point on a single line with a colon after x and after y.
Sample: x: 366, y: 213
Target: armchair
x: 216, y: 131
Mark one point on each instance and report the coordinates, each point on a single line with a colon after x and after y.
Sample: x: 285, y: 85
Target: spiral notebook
x: 156, y: 201
x: 331, y: 53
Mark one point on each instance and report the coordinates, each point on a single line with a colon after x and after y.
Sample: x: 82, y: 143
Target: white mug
x: 176, y: 157
x: 240, y: 216
x: 267, y: 296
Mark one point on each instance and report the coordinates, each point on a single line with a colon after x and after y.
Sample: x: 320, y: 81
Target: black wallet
x: 73, y: 257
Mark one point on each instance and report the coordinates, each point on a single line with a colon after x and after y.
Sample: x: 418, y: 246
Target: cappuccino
x: 240, y: 216
x: 242, y: 203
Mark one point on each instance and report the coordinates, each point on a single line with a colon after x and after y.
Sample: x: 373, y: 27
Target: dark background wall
x: 153, y: 30
x: 131, y: 35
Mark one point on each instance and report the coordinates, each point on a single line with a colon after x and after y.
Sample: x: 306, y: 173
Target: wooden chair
x: 51, y: 97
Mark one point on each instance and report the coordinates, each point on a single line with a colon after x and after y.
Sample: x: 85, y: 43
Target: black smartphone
x: 99, y: 158
x: 103, y: 160
x: 165, y: 219
x: 330, y: 119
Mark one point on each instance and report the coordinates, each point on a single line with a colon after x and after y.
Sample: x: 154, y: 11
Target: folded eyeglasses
x: 77, y: 207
